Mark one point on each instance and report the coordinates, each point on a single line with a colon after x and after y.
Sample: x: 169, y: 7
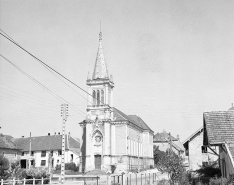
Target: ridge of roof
x: 197, y: 131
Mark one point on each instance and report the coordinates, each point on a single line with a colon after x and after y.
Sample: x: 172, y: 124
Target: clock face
x: 98, y: 139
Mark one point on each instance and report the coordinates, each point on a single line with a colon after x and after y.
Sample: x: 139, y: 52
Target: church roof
x: 134, y: 119
x: 100, y: 68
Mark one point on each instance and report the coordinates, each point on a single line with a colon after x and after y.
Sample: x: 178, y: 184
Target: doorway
x: 97, y: 161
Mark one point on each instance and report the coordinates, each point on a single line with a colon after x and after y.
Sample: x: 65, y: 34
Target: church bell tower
x: 100, y: 86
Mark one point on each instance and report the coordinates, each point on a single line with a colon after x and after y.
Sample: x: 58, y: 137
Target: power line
x: 47, y: 66
x: 40, y: 84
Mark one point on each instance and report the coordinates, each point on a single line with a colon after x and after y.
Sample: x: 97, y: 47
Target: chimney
x: 48, y: 134
x: 178, y: 137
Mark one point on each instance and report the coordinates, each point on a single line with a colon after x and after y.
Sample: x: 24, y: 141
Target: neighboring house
x: 110, y: 137
x: 162, y: 140
x: 219, y: 131
x: 8, y: 149
x: 198, y: 155
x: 48, y: 147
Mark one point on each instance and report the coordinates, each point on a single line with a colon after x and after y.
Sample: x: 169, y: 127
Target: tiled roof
x: 5, y: 142
x: 219, y: 126
x: 177, y: 144
x: 40, y: 143
x: 163, y: 137
x: 136, y: 120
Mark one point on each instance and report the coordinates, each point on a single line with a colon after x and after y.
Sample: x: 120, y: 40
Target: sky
x: 170, y: 60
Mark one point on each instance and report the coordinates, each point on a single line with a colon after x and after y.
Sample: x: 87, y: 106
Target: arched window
x: 102, y: 97
x: 98, y: 97
x: 94, y: 98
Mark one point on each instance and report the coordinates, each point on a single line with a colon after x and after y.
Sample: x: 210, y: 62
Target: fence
x: 134, y: 179
x: 121, y: 179
x: 26, y: 181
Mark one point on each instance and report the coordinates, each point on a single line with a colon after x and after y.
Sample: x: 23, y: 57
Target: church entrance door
x: 97, y: 161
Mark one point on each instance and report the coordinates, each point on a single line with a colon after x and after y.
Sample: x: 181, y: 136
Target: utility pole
x: 138, y: 152
x: 64, y: 114
x: 170, y: 142
x: 30, y: 151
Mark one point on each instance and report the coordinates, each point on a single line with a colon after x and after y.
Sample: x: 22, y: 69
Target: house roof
x: 219, y: 126
x: 178, y: 145
x: 5, y: 142
x: 193, y: 135
x: 163, y: 137
x: 134, y: 119
x: 40, y: 143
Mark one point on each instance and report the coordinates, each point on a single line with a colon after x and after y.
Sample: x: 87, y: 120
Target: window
x: 60, y: 152
x: 94, y: 98
x: 3, y: 153
x: 71, y: 158
x: 204, y: 149
x: 32, y: 153
x: 98, y: 97
x: 102, y: 97
x: 51, y: 153
x: 43, y: 153
x: 15, y: 155
x: 43, y: 162
x: 22, y: 153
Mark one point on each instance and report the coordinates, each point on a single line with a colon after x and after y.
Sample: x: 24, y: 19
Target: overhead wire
x: 40, y: 84
x: 48, y: 67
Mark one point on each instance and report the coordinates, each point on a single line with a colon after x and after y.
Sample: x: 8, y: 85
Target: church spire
x: 100, y: 68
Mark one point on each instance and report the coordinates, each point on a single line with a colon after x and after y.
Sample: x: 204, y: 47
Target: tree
x: 4, y: 168
x: 172, y: 164
x: 157, y: 154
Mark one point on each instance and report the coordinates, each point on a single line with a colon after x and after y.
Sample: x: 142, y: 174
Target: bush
x: 217, y: 181
x: 4, y: 168
x: 16, y: 171
x: 37, y: 174
x: 68, y: 166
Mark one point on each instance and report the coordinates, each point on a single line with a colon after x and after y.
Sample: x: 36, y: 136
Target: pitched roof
x: 177, y: 144
x: 100, y: 68
x: 134, y: 119
x: 219, y: 126
x: 5, y: 142
x: 193, y: 135
x: 40, y: 143
x: 163, y: 137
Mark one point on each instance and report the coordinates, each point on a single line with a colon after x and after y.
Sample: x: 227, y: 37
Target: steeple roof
x: 100, y: 68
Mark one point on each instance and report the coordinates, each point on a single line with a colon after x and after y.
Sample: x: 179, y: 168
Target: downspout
x: 230, y: 155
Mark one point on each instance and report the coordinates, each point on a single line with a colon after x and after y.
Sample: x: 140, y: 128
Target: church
x: 112, y: 140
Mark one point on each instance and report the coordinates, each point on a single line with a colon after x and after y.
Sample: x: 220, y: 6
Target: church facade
x: 112, y: 139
